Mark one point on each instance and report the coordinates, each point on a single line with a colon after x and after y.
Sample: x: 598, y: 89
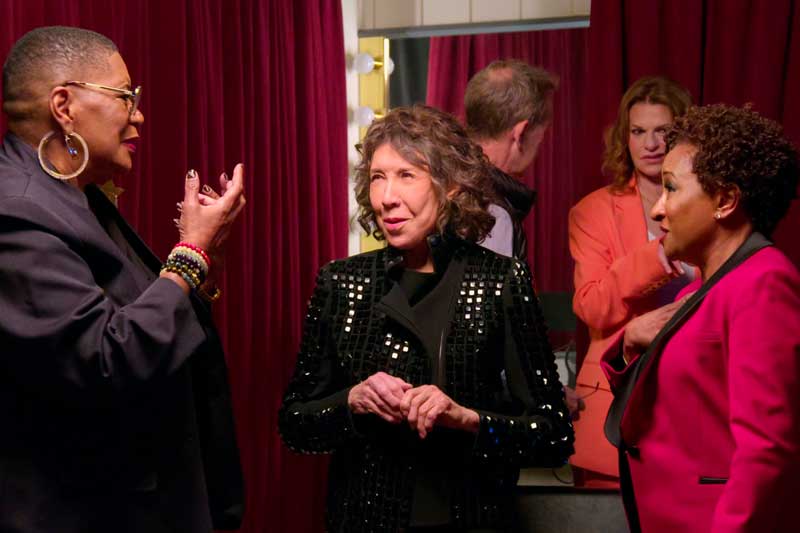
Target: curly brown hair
x: 617, y: 162
x: 435, y: 142
x: 738, y: 147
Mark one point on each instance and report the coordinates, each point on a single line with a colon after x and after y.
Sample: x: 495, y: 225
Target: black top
x: 431, y: 501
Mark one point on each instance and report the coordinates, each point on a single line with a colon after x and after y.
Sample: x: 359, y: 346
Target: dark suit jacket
x: 106, y: 426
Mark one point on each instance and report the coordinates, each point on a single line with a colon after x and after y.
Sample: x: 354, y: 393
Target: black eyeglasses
x: 131, y: 97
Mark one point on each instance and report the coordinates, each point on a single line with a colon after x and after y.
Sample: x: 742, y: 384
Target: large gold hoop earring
x: 58, y: 175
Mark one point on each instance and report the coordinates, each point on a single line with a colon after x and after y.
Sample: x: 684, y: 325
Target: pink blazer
x: 717, y: 421
x: 617, y: 272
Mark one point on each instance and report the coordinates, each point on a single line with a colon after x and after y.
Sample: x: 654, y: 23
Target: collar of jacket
x: 518, y: 196
x: 442, y: 247
x: 23, y: 156
x: 394, y: 301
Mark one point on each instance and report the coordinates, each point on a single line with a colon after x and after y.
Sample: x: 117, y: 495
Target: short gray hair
x: 42, y: 54
x: 507, y: 92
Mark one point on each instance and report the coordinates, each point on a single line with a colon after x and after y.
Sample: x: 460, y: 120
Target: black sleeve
x: 541, y: 434
x: 315, y: 417
x: 60, y: 330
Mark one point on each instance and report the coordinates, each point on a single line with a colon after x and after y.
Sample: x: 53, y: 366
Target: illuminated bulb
x: 364, y: 63
x: 364, y: 116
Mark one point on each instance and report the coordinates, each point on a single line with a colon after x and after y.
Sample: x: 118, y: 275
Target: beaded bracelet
x: 190, y: 262
x: 196, y: 249
x: 191, y: 277
x: 188, y: 255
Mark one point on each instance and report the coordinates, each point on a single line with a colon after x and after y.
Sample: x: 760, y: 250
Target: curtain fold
x: 227, y: 81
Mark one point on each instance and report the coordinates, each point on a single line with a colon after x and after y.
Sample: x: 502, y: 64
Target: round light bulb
x: 388, y: 66
x: 364, y: 116
x: 363, y: 63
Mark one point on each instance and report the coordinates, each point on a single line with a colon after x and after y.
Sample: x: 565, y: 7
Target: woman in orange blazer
x: 620, y: 267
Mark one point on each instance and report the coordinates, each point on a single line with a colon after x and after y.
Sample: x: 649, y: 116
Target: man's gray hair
x: 504, y: 93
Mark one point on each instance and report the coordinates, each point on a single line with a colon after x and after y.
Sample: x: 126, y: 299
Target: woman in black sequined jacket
x: 425, y: 367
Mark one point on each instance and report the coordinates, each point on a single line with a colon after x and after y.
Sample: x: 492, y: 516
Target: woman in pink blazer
x: 708, y: 400
x: 620, y: 267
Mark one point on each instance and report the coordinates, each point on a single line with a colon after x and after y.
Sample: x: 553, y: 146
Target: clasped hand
x: 422, y: 408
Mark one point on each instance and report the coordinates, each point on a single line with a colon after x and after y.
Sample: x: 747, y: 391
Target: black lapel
x: 395, y: 305
x: 447, y: 258
x: 103, y: 206
x: 622, y: 394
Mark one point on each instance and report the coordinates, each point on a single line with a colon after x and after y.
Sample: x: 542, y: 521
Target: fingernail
x: 206, y: 188
x: 192, y: 174
x: 225, y: 175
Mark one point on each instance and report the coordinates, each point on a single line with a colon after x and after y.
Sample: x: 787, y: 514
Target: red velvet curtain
x: 227, y: 81
x: 732, y: 51
x: 555, y: 173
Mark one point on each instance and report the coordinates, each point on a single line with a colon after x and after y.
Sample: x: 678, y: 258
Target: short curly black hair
x: 737, y: 146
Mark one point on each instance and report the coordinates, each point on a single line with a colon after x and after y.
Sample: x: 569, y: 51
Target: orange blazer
x: 617, y: 273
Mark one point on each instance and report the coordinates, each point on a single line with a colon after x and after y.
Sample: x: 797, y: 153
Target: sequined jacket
x: 496, y: 360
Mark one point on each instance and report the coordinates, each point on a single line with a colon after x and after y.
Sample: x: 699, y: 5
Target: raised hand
x: 379, y: 394
x: 206, y: 217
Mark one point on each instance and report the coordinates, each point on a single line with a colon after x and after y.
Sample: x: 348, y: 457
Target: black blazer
x: 492, y: 355
x: 106, y: 425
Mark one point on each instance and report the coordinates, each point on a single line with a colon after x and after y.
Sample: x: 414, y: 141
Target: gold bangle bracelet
x: 210, y: 298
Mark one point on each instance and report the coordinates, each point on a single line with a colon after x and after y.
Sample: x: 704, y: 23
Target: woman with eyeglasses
x: 114, y: 400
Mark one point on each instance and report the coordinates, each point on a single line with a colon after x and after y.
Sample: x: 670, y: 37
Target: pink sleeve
x: 613, y: 352
x: 605, y: 285
x: 764, y: 395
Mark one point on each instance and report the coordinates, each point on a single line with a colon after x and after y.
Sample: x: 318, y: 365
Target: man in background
x: 509, y: 106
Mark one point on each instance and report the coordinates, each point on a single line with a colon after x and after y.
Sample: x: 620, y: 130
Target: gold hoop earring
x: 70, y: 149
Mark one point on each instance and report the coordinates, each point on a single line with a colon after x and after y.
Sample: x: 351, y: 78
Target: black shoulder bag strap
x: 622, y: 394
